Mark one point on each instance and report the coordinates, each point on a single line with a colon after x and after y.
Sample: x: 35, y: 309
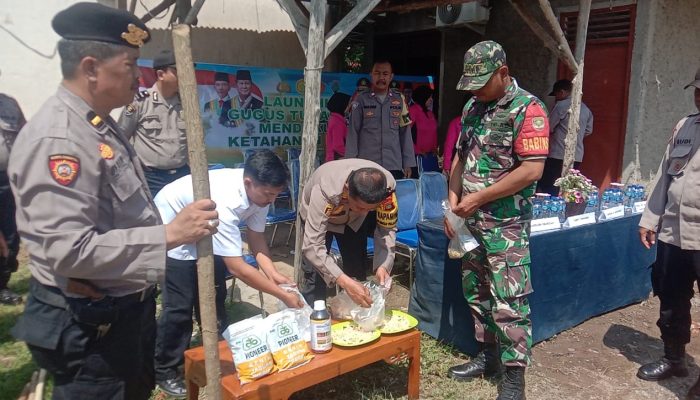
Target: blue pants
x: 158, y: 178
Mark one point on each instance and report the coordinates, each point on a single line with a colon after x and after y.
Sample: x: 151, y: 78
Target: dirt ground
x: 595, y: 360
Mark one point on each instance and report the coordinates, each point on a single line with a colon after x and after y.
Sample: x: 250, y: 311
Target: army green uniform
x: 496, y: 276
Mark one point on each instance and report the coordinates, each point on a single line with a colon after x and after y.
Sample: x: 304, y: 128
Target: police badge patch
x: 388, y: 212
x: 64, y: 169
x: 130, y: 109
x: 538, y: 123
x: 106, y: 151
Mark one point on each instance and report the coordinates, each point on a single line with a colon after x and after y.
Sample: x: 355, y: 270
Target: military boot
x: 513, y: 384
x: 694, y: 392
x: 486, y: 364
x: 671, y: 364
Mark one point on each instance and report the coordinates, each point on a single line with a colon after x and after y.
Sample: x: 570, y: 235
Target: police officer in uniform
x: 96, y: 243
x: 335, y: 203
x: 379, y: 125
x: 11, y: 121
x: 501, y: 153
x: 155, y: 126
x: 672, y: 216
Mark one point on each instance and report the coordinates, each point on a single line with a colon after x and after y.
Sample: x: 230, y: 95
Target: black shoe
x: 9, y: 297
x: 662, y: 369
x: 513, y: 384
x: 486, y: 364
x: 174, y: 388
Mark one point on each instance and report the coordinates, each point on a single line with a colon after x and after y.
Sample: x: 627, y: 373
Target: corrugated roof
x: 251, y: 15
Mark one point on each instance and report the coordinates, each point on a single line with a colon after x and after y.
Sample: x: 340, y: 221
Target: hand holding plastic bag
x: 371, y: 318
x: 463, y: 241
x: 302, y: 315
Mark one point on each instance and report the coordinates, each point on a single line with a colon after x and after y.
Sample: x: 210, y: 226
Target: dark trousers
x: 180, y: 297
x: 551, y: 172
x: 673, y: 276
x: 8, y: 228
x: 398, y: 173
x: 158, y: 178
x: 353, y: 250
x: 86, y: 365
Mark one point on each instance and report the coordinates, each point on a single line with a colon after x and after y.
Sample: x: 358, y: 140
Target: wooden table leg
x: 192, y: 390
x: 414, y: 371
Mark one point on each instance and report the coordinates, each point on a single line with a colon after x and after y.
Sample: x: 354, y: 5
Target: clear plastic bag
x: 463, y: 242
x: 302, y: 315
x: 342, y: 307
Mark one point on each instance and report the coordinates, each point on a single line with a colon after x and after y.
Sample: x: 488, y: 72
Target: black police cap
x: 93, y: 21
x: 165, y: 58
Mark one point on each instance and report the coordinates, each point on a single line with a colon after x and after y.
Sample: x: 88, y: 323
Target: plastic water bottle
x: 629, y: 198
x: 617, y: 197
x: 560, y: 209
x: 536, y: 208
x: 592, y: 203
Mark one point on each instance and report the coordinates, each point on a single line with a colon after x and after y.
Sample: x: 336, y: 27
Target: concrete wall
x: 665, y: 57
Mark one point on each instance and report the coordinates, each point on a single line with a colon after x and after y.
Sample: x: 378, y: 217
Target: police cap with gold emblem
x: 93, y: 21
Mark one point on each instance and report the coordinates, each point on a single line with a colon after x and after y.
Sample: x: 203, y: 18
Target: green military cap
x: 93, y: 21
x: 480, y: 61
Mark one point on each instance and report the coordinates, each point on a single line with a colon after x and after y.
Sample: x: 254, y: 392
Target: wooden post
x: 577, y: 90
x: 200, y: 182
x: 560, y: 49
x: 312, y: 110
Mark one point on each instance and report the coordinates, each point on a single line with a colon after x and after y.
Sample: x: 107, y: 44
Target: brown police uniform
x: 323, y: 206
x: 94, y: 236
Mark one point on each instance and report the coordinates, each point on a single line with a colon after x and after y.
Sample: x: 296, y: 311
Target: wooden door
x: 606, y: 79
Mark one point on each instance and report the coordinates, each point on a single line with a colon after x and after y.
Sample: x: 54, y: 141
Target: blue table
x: 577, y: 274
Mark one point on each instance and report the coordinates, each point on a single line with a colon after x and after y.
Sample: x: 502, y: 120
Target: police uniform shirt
x: 672, y: 207
x: 83, y: 206
x: 11, y: 121
x: 156, y: 128
x: 324, y: 207
x: 378, y: 132
x: 559, y: 126
x: 232, y: 204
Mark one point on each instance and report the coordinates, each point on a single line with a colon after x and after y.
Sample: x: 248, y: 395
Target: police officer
x: 96, y: 241
x: 335, y: 203
x: 11, y: 121
x: 378, y: 125
x: 155, y: 126
x: 243, y: 197
x: 504, y: 128
x: 672, y: 215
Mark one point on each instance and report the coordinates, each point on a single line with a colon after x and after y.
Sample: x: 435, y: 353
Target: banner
x: 245, y: 108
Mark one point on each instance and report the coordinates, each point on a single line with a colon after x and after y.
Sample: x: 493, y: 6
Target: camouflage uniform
x: 496, y: 275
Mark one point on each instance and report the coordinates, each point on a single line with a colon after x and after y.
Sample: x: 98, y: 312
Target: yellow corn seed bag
x: 251, y: 355
x: 289, y: 349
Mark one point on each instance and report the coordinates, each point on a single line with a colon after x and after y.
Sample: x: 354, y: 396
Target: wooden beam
x: 157, y: 10
x: 404, y: 6
x: 299, y: 20
x: 312, y: 112
x: 192, y: 15
x: 561, y: 51
x: 347, y: 24
x: 187, y: 84
x: 559, y: 36
x: 574, y: 126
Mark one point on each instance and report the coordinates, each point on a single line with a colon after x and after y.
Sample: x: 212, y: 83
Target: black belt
x: 54, y: 296
x: 165, y: 171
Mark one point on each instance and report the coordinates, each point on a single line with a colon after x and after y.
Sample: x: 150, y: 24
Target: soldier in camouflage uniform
x: 501, y: 152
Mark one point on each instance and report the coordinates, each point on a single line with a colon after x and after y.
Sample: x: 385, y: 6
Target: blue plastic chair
x: 433, y: 190
x: 277, y: 216
x: 293, y: 153
x: 427, y: 163
x: 408, y: 195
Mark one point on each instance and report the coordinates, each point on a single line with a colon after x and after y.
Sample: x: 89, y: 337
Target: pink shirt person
x: 424, y: 121
x: 453, y: 131
x: 337, y: 128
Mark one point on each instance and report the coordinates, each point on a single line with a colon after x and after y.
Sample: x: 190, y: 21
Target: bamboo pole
x: 312, y: 110
x: 560, y: 49
x: 577, y: 90
x: 200, y: 183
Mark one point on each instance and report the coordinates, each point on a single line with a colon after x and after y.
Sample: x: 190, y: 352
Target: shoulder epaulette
x: 142, y: 94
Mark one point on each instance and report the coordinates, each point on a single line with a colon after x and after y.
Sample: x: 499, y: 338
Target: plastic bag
x: 288, y: 348
x: 342, y: 307
x: 301, y: 315
x: 463, y: 242
x: 251, y: 355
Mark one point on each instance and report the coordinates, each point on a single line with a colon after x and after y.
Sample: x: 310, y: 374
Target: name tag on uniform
x: 612, y: 213
x: 545, y: 224
x: 639, y: 207
x: 580, y: 220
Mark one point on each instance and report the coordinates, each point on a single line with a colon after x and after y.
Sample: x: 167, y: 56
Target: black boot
x: 671, y: 364
x: 513, y: 384
x: 486, y: 364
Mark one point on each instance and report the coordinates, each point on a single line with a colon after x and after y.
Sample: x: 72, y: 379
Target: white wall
x: 24, y: 74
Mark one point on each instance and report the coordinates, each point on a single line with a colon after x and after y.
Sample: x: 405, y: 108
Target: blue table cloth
x: 576, y: 273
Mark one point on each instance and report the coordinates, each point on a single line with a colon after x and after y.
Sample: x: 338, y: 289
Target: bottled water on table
x: 541, y: 206
x: 592, y: 203
x: 559, y: 208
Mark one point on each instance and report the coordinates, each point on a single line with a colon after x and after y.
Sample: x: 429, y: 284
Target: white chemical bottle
x: 321, y: 341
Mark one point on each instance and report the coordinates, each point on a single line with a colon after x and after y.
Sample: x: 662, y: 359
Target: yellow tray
x: 348, y: 334
x: 398, y: 321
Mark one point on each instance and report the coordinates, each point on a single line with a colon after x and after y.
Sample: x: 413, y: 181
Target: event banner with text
x: 254, y: 107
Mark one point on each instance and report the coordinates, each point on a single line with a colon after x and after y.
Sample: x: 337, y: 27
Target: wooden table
x: 281, y: 385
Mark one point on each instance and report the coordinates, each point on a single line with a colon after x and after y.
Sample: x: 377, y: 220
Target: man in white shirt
x: 242, y: 197
x: 559, y: 128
